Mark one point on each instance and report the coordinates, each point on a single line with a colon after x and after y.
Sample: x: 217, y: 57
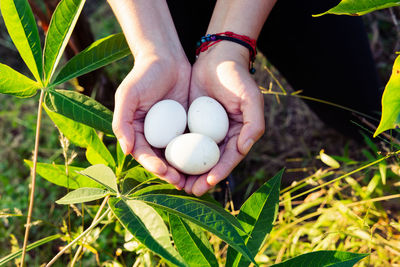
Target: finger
x: 189, y: 184
x: 173, y: 177
x: 253, y: 121
x: 230, y: 158
x: 200, y: 186
x: 123, y: 117
x: 181, y: 183
x: 151, y: 162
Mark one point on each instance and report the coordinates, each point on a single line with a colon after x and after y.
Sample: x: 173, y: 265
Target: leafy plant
x: 144, y: 205
x: 359, y: 7
x: 21, y: 24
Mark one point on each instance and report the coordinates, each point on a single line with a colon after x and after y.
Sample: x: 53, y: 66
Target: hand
x: 222, y: 72
x: 152, y: 79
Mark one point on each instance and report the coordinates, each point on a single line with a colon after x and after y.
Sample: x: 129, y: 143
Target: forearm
x: 148, y: 27
x: 245, y: 17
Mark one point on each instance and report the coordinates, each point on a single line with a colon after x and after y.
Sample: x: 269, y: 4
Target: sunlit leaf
x: 21, y: 26
x: 14, y: 83
x: 56, y: 174
x: 383, y: 171
x: 328, y: 160
x: 83, y: 136
x: 147, y: 226
x: 60, y: 29
x: 191, y: 242
x: 204, y: 214
x: 84, y: 194
x: 391, y: 102
x: 360, y: 7
x: 98, y: 54
x: 103, y: 175
x: 373, y: 183
x: 80, y: 108
x: 94, y: 157
x: 324, y: 258
x: 256, y: 216
x: 121, y: 157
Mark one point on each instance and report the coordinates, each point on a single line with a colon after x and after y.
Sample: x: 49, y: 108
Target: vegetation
x: 118, y: 214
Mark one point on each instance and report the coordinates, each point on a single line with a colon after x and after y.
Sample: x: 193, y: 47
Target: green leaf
x: 84, y: 194
x: 328, y: 160
x: 372, y: 185
x: 14, y: 83
x: 139, y: 174
x: 121, y: 157
x: 21, y: 26
x: 83, y: 136
x: 103, y: 175
x: 80, y: 108
x: 128, y: 185
x: 60, y: 29
x: 383, y: 171
x: 191, y: 242
x: 147, y: 226
x: 98, y: 54
x: 56, y: 174
x: 204, y: 214
x: 133, y: 187
x: 36, y: 244
x: 391, y: 102
x: 256, y: 216
x: 168, y: 189
x: 359, y: 7
x: 323, y: 258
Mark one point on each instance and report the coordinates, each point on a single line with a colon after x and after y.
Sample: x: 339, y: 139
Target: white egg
x: 207, y: 116
x: 192, y: 153
x: 164, y: 121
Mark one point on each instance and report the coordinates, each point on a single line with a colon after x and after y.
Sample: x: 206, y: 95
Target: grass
x: 359, y: 212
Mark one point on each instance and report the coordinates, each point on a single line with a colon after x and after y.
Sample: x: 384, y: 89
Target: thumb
x: 124, y: 112
x: 253, y: 122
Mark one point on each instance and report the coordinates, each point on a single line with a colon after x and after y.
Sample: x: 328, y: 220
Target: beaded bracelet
x: 212, y: 39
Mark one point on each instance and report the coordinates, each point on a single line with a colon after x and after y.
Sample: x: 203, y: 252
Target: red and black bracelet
x: 212, y: 39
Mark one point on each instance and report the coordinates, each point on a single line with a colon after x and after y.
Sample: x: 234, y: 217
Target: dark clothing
x: 327, y: 57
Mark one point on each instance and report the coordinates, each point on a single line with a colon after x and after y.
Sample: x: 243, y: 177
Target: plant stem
x: 33, y: 175
x: 94, y: 219
x: 296, y: 94
x: 93, y: 225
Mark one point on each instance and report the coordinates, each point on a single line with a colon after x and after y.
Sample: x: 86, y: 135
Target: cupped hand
x: 222, y: 72
x: 152, y: 79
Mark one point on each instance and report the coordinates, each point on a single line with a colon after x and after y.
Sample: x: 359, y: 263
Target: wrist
x: 226, y: 51
x: 148, y: 28
x: 245, y: 17
x: 166, y: 53
x: 166, y: 63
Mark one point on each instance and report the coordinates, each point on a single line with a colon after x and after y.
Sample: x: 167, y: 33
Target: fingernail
x: 247, y: 146
x: 181, y: 184
x: 123, y: 146
x: 211, y: 180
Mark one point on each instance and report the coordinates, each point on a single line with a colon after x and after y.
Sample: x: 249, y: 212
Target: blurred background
x: 293, y: 140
